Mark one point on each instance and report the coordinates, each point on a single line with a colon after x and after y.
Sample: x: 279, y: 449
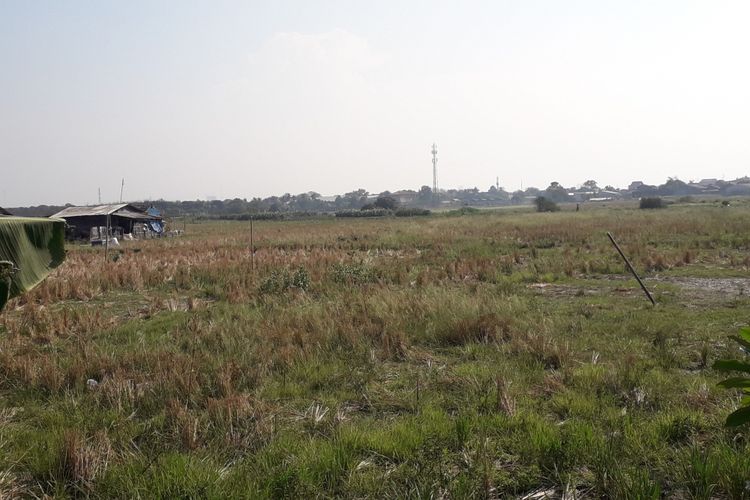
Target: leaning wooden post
x: 630, y: 266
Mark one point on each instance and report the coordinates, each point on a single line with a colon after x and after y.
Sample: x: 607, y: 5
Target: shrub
x: 652, y: 203
x: 353, y: 274
x: 265, y: 216
x: 386, y: 202
x: 411, y: 212
x: 545, y: 205
x: 282, y: 280
x: 374, y: 212
x: 463, y: 211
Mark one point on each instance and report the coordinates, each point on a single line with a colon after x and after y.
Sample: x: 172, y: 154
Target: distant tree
x: 545, y: 205
x: 676, y: 187
x: 386, y: 202
x: 302, y: 202
x: 235, y: 206
x: 518, y: 197
x: 257, y: 205
x: 556, y: 192
x: 425, y: 194
x: 355, y: 199
x: 590, y: 185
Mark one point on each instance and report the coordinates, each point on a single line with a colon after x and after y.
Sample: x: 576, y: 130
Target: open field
x: 486, y: 355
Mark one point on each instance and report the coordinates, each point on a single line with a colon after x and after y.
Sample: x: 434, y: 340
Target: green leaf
x: 744, y: 343
x: 735, y: 383
x: 738, y: 417
x: 745, y: 333
x: 731, y: 365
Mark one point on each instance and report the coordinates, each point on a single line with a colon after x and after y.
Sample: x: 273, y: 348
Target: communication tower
x: 434, y: 173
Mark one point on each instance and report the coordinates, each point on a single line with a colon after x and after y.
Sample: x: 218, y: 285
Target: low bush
x: 282, y: 280
x: 411, y: 212
x: 545, y: 205
x: 265, y: 216
x: 353, y: 274
x: 462, y: 211
x: 372, y: 212
x: 648, y: 203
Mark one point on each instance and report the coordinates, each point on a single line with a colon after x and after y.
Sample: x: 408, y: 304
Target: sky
x: 222, y: 99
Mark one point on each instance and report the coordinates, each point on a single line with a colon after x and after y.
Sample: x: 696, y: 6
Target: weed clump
x: 484, y: 329
x: 353, y: 274
x: 82, y: 460
x: 282, y: 280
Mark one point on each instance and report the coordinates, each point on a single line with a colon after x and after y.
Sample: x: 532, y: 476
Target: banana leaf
x: 29, y: 249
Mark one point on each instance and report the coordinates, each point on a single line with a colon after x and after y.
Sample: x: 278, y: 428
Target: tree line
x: 312, y: 202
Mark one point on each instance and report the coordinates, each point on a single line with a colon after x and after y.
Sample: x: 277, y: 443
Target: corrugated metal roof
x: 4, y: 212
x: 120, y: 209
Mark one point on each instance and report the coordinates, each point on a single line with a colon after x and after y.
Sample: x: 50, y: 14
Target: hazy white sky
x: 189, y: 100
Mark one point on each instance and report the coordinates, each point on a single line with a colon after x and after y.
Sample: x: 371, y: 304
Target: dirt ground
x: 693, y: 292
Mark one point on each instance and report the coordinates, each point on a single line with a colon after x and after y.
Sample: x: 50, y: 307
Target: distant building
x: 84, y: 222
x: 405, y: 197
x: 708, y: 182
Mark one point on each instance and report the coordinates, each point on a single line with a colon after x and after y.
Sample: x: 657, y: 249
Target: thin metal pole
x: 632, y: 270
x: 106, y: 240
x: 252, y: 247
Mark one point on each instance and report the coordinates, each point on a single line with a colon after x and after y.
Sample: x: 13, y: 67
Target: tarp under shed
x: 158, y: 225
x: 29, y: 249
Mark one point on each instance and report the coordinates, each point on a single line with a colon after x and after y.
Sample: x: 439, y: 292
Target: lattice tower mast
x: 434, y: 171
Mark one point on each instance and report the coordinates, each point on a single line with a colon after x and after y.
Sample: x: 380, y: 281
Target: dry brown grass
x: 191, y: 356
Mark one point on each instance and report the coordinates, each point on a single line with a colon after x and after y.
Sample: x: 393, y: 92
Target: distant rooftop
x: 120, y: 209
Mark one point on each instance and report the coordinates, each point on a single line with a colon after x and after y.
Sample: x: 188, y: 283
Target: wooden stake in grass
x: 632, y: 270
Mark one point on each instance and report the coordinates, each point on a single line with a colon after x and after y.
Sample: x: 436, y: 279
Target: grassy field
x: 494, y: 354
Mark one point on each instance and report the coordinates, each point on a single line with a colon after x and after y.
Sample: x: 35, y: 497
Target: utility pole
x: 434, y: 175
x: 100, y: 195
x: 122, y: 186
